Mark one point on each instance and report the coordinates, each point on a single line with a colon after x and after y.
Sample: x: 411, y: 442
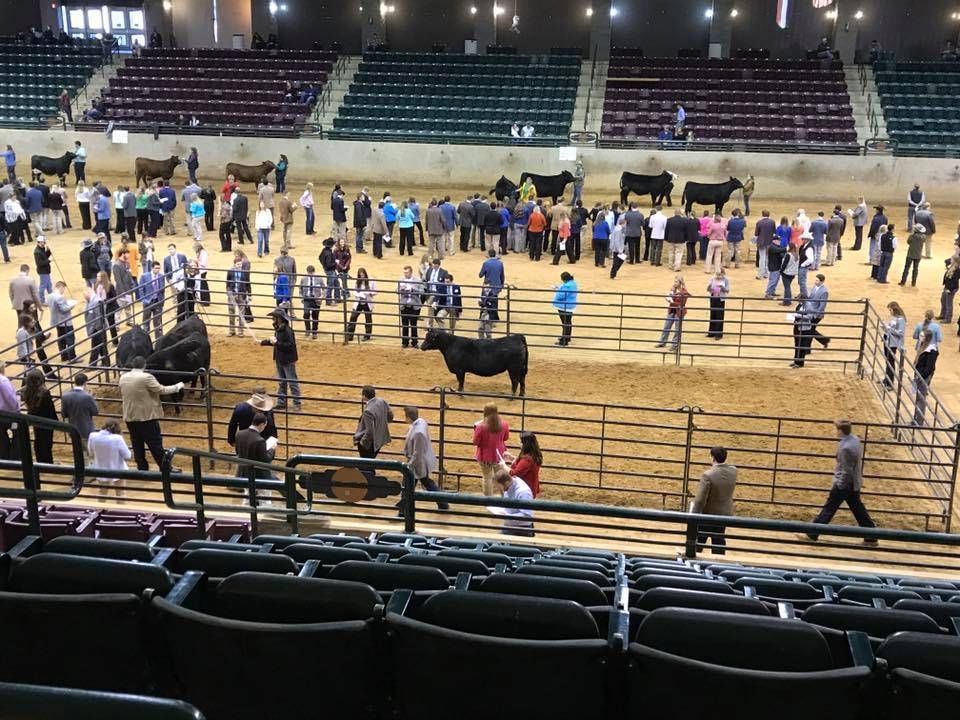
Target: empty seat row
x: 446, y: 59
x: 658, y: 62
x: 240, y: 54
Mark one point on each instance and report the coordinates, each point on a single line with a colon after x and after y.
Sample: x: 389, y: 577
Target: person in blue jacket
x: 390, y: 211
x: 281, y: 290
x: 601, y: 239
x: 280, y: 173
x: 565, y: 301
x: 735, y: 227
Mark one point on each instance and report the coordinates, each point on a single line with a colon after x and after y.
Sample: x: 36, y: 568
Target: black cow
x: 504, y: 189
x: 180, y: 362
x: 184, y: 329
x: 43, y: 165
x: 658, y: 187
x: 551, y: 186
x: 133, y: 342
x: 482, y: 357
x: 716, y: 194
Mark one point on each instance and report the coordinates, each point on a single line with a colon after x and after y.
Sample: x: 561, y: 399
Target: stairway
x: 335, y: 91
x: 99, y: 80
x: 864, y: 100
x: 584, y: 117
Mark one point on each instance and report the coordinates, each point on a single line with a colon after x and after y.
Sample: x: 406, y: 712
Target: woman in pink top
x: 715, y: 236
x: 705, y: 222
x: 490, y: 435
x: 203, y: 258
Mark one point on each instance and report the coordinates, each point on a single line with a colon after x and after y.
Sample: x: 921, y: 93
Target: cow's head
x: 567, y: 176
x: 734, y: 183
x: 433, y: 339
x: 268, y: 166
x: 176, y: 160
x: 69, y: 156
x: 673, y: 175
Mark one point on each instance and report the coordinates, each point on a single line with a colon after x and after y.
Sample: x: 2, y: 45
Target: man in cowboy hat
x: 285, y: 357
x: 258, y: 402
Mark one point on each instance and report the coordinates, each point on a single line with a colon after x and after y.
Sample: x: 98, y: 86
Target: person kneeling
x: 518, y: 521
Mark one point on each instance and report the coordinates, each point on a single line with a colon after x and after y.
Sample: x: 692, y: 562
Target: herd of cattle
x: 181, y: 354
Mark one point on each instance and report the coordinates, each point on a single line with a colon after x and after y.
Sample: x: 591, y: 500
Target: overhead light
x: 497, y: 10
x: 858, y: 14
x: 831, y: 14
x: 273, y: 7
x: 283, y: 7
x: 613, y: 11
x: 589, y: 11
x: 734, y: 12
x: 167, y: 5
x: 708, y: 13
x: 473, y: 9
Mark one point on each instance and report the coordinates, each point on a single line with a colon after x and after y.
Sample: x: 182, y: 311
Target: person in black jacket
x: 38, y: 401
x: 285, y: 358
x: 693, y: 237
x: 209, y: 197
x: 240, y: 211
x: 41, y: 259
x: 328, y: 264
x: 491, y: 226
x: 951, y: 280
x: 259, y: 402
x: 926, y: 365
x: 359, y: 221
x: 89, y: 268
x: 675, y: 237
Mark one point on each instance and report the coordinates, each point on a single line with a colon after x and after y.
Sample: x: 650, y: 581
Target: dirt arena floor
x: 642, y: 450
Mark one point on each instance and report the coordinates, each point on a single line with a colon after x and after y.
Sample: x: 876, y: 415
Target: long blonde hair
x: 491, y: 418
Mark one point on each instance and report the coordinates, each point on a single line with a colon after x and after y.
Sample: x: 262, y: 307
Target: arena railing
x: 355, y: 484
x: 430, y: 138
x: 221, y: 130
x: 701, y: 145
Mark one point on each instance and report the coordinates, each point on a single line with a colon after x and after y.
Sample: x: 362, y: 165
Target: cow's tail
x: 683, y: 198
x: 526, y: 354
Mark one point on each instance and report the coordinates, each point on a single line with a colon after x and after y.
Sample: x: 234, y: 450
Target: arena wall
x: 811, y: 177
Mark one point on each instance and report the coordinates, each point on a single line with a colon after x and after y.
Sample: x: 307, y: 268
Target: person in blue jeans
x: 10, y: 160
x: 565, y: 301
x: 280, y: 172
x: 390, y: 215
x: 414, y: 207
x: 328, y: 263
x: 778, y: 246
x: 285, y: 358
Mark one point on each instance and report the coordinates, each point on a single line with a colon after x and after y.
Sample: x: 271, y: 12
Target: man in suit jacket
x: 79, y: 407
x: 260, y: 403
x: 435, y: 230
x: 373, y: 428
x: 23, y: 288
x: 140, y: 394
x: 715, y: 497
x: 433, y: 283
x: 676, y: 237
x: 492, y: 271
x: 61, y: 310
x: 174, y: 266
x: 251, y: 445
x: 152, y: 288
x: 466, y: 214
x: 448, y: 304
x: 817, y: 305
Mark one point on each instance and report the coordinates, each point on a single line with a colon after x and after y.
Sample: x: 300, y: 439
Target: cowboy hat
x: 260, y: 400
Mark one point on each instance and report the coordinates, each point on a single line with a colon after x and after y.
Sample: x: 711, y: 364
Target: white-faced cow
x: 485, y: 358
x: 250, y: 173
x: 551, y: 186
x: 658, y: 187
x: 504, y: 189
x: 43, y: 165
x: 146, y: 169
x: 716, y: 194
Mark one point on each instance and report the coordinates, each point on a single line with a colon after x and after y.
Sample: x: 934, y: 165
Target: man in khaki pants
x: 285, y: 210
x: 435, y: 230
x: 715, y: 497
x: 676, y: 236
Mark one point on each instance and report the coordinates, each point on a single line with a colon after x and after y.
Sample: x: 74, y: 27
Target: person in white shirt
x: 419, y: 453
x: 518, y: 521
x: 515, y: 130
x: 527, y: 131
x: 110, y: 452
x: 658, y: 230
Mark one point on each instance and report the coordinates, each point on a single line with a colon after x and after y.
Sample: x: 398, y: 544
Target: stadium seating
x: 919, y: 100
x: 747, y: 100
x: 218, y: 87
x: 32, y: 77
x: 403, y: 628
x: 459, y: 97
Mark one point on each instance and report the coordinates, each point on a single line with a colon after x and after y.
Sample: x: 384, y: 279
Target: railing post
x: 776, y: 460
x: 679, y: 331
x: 690, y: 545
x: 343, y: 304
x: 953, y: 475
x: 620, y: 327
x: 687, y: 455
x: 29, y: 477
x: 863, y: 337
x: 603, y: 437
x: 508, y: 309
x: 198, y: 492
x: 898, y: 359
x: 409, y: 502
x: 743, y: 303
x: 208, y: 386
x: 442, y: 440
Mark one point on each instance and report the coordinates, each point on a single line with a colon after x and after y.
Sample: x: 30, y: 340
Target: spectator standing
x: 894, y: 330
x: 564, y: 243
x: 140, y: 393
x: 238, y: 298
x: 914, y: 254
x: 390, y: 216
x: 448, y: 304
x: 490, y: 436
x: 38, y: 401
x: 414, y: 208
x: 359, y: 221
x: 285, y: 210
x: 491, y: 227
x: 280, y: 173
x: 715, y: 497
x: 21, y: 289
x: 61, y: 309
x: 735, y: 228
x: 8, y: 403
x: 125, y: 285
x: 193, y: 163
x: 536, y: 226
x: 924, y: 217
x: 818, y: 235
x: 718, y: 288
x: 108, y: 451
x: 26, y: 332
x: 805, y: 257
x: 373, y: 428
x: 306, y: 202
x: 168, y: 204
x: 240, y: 205
x: 154, y: 212
x: 691, y: 236
x: 226, y: 226
x: 263, y: 223
x: 311, y: 288
x: 80, y: 162
x: 565, y: 302
x: 152, y: 289
x: 405, y: 224
x: 925, y: 364
x: 716, y: 236
x: 951, y: 278
x: 492, y: 272
x: 285, y: 358
x: 78, y: 408
x: 886, y: 247
x: 364, y: 291
x: 409, y: 291
x: 465, y: 220
x: 859, y: 217
x: 82, y: 195
x: 835, y: 228
x: 449, y: 225
x: 633, y: 231
x: 259, y: 403
x: 789, y: 267
x: 658, y: 229
x: 847, y: 482
x: 377, y: 228
x: 764, y: 232
x: 676, y: 311
x: 95, y: 323
x: 435, y: 230
x: 579, y: 175
x: 10, y: 161
x: 747, y: 190
x: 802, y: 332
x: 915, y: 198
x: 339, y: 228
x: 328, y: 263
x: 527, y: 464
x: 418, y: 450
x: 41, y: 260
x: 56, y: 206
x: 776, y: 252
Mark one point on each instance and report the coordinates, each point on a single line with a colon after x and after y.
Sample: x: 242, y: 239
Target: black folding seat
x: 90, y: 547
x: 675, y: 597
x: 597, y: 578
x: 687, y: 573
x: 866, y: 594
x: 580, y: 591
x: 221, y: 563
x: 374, y: 549
x: 402, y: 538
x: 875, y: 622
x: 279, y: 542
x: 490, y: 559
x: 924, y: 672
x: 240, y: 670
x: 774, y: 589
x: 572, y: 564
x: 78, y: 622
x: 387, y: 577
x: 191, y: 545
x: 648, y: 582
x: 700, y: 663
x: 460, y: 634
x: 515, y: 551
x: 326, y: 554
x: 942, y: 612
x: 53, y: 703
x: 451, y: 566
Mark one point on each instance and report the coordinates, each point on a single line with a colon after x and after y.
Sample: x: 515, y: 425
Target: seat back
x: 509, y: 616
x: 573, y: 565
x: 661, y: 597
x: 580, y: 591
x: 942, y: 612
x: 934, y: 655
x: 270, y: 659
x: 736, y: 640
x: 779, y: 589
x: 647, y: 582
x: 387, y: 577
x: 52, y: 703
x: 866, y: 594
x: 490, y: 559
x: 516, y: 551
x: 221, y: 563
x: 57, y: 574
x: 90, y: 547
x: 878, y: 623
x: 326, y: 554
x: 451, y: 566
x: 264, y: 597
x: 598, y: 579
x: 337, y: 539
x: 394, y: 551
